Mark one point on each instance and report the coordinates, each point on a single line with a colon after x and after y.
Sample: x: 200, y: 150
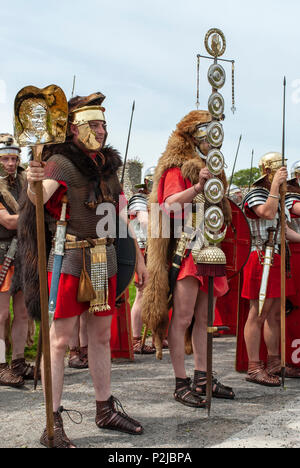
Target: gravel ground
x: 259, y: 417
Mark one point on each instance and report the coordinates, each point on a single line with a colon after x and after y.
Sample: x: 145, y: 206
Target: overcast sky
x: 146, y: 51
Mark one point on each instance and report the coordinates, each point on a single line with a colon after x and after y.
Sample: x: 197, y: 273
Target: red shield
x: 237, y: 243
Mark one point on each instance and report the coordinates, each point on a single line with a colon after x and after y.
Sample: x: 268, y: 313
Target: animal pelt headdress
x: 106, y: 178
x: 180, y: 152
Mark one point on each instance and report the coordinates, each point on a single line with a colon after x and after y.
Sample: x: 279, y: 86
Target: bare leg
x: 4, y: 313
x: 74, y: 341
x: 99, y: 331
x: 253, y: 328
x: 19, y: 326
x: 60, y: 335
x: 185, y: 296
x: 136, y: 315
x: 272, y: 329
x: 83, y: 334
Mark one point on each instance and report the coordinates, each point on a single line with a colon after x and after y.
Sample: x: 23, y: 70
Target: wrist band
x: 274, y: 196
x: 196, y: 190
x: 33, y: 193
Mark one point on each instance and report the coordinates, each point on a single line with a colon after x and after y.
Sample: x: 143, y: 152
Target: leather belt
x: 72, y: 243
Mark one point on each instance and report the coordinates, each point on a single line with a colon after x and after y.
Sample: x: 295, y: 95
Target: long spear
x: 251, y: 170
x: 233, y: 169
x: 128, y: 140
x: 283, y: 189
x: 73, y: 89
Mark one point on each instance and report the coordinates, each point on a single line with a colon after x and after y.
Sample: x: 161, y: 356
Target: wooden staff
x: 283, y: 190
x: 42, y: 263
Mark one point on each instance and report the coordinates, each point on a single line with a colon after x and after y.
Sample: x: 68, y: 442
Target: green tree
x: 242, y: 177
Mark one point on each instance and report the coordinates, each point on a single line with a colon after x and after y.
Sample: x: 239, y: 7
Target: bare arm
x: 188, y: 195
x: 269, y: 209
x: 292, y: 235
x: 8, y: 221
x: 36, y: 173
x: 296, y: 209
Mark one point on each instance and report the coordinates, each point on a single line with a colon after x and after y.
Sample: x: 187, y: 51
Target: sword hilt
x: 216, y: 329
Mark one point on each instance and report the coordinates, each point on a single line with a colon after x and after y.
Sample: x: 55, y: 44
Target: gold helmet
x: 270, y: 163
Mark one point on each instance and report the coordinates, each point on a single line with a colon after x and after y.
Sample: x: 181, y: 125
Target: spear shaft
x: 73, y: 89
x: 233, y: 169
x: 127, y: 147
x: 251, y: 171
x: 283, y: 189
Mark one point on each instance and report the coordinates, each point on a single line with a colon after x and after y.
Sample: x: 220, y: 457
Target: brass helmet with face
x: 269, y: 165
x: 83, y: 110
x: 8, y: 147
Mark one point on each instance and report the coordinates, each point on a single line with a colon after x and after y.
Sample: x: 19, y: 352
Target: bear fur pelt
x: 180, y: 152
x: 105, y: 180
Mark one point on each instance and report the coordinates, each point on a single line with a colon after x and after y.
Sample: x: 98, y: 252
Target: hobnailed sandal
x: 60, y: 438
x: 21, y: 368
x: 218, y: 389
x: 78, y: 358
x: 186, y: 396
x: 274, y: 368
x: 139, y: 349
x: 9, y: 378
x: 257, y: 374
x: 108, y: 417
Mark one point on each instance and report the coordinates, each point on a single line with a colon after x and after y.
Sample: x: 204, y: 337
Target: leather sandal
x: 257, y: 374
x: 109, y: 417
x: 218, y: 391
x: 9, y: 378
x: 78, y: 358
x: 186, y: 396
x: 274, y: 368
x: 60, y: 438
x: 21, y: 368
x: 138, y: 349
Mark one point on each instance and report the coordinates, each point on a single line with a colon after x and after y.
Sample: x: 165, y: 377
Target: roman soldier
x: 179, y: 179
x: 262, y: 277
x: 138, y: 212
x: 11, y: 183
x: 84, y: 170
x: 236, y: 195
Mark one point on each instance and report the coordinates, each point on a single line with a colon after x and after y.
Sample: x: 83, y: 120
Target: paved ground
x: 260, y: 417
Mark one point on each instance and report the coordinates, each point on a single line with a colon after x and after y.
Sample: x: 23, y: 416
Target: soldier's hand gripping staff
x: 262, y: 208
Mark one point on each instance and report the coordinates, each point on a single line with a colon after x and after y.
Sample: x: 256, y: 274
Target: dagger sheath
x: 59, y: 251
x: 268, y: 261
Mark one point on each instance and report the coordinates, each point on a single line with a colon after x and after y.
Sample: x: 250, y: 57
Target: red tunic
x: 172, y: 182
x: 253, y: 274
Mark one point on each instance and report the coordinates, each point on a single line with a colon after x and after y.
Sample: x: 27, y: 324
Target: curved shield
x: 237, y: 243
x: 126, y: 258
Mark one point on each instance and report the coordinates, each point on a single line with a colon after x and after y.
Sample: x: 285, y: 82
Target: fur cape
x: 5, y: 193
x: 106, y: 178
x: 180, y: 152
